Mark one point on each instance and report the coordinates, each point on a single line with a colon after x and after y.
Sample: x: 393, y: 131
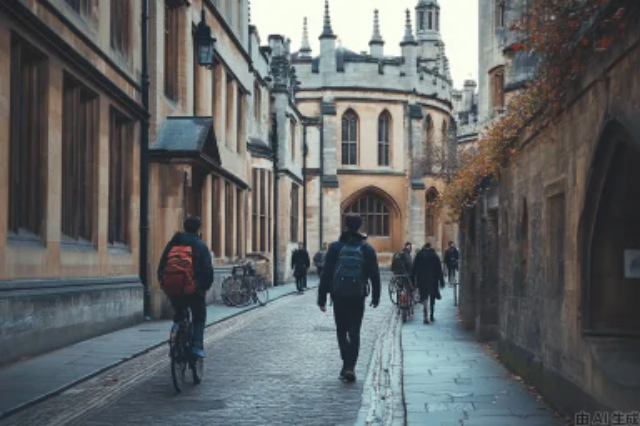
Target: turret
x: 327, y: 44
x: 467, y: 94
x: 409, y: 48
x: 376, y: 45
x: 428, y: 28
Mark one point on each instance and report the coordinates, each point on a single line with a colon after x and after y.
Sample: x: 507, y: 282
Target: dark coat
x: 407, y: 261
x: 451, y: 257
x: 427, y: 273
x: 203, y: 264
x: 300, y: 262
x: 370, y: 269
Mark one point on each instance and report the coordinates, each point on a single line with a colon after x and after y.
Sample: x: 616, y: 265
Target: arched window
x: 384, y: 148
x: 500, y: 13
x: 349, y: 138
x: 375, y: 215
x: 430, y: 218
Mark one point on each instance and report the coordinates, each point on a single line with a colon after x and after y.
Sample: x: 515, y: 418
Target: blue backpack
x: 348, y: 279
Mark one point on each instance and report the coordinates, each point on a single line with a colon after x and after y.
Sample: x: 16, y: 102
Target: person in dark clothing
x: 318, y: 259
x: 451, y: 259
x: 348, y: 312
x: 407, y: 258
x: 299, y: 264
x: 202, y: 274
x: 427, y: 274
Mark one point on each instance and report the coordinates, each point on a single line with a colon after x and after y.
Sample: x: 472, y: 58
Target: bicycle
x: 405, y: 299
x: 245, y: 286
x: 181, y: 353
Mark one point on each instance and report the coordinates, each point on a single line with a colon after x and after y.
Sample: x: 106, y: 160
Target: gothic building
x: 381, y: 136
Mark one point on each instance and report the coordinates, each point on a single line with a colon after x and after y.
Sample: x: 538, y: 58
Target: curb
x: 10, y: 412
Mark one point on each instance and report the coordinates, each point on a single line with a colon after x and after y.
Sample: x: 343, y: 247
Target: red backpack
x: 177, y: 279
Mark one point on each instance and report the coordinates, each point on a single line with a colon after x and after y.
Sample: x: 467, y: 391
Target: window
x: 237, y: 20
x: 500, y: 13
x: 269, y: 210
x: 421, y: 19
x: 80, y: 119
x: 82, y: 7
x: 264, y: 213
x: 384, y: 121
x: 120, y: 177
x: 216, y: 236
x: 430, y: 219
x: 120, y: 26
x: 295, y: 207
x: 349, y: 138
x: 171, y: 49
x: 557, y: 233
x: 239, y: 222
x: 27, y: 186
x: 257, y: 104
x: 498, y: 88
x: 254, y: 211
x: 228, y: 226
x: 430, y: 20
x: 292, y: 136
x: 437, y: 20
x: 374, y: 213
x: 230, y: 94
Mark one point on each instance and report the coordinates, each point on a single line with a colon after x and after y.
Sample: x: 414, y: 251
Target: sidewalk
x: 25, y: 383
x: 450, y: 379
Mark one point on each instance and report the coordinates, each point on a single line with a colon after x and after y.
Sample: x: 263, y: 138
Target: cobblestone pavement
x: 276, y: 365
x: 451, y: 380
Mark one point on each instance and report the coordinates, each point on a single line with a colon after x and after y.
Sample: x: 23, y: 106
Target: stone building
x: 465, y: 114
x: 70, y: 122
x: 380, y: 124
x: 551, y: 251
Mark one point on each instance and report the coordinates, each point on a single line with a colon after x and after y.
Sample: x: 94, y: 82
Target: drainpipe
x: 274, y: 144
x: 144, y: 167
x: 304, y: 182
x: 320, y: 183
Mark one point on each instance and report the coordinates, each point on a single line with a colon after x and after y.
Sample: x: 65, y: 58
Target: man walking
x: 350, y: 264
x: 427, y: 274
x: 186, y: 274
x: 318, y: 259
x: 451, y: 259
x: 299, y: 264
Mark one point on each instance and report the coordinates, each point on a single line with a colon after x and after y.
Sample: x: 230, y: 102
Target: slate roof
x: 187, y: 135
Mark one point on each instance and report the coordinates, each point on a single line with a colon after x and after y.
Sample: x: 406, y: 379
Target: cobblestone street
x: 276, y: 365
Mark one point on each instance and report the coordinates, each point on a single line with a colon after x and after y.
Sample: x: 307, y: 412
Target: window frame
x: 120, y: 179
x: 350, y: 123
x: 120, y: 32
x: 375, y: 213
x: 295, y: 213
x: 172, y: 30
x: 384, y: 139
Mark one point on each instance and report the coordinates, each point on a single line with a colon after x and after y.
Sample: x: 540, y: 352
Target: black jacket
x: 451, y: 256
x: 300, y: 261
x: 203, y: 264
x: 427, y: 273
x: 370, y: 270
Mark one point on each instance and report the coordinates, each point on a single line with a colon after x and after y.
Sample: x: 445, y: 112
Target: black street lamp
x: 204, y: 43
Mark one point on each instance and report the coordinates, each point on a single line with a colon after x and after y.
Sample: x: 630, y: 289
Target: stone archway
x: 610, y: 237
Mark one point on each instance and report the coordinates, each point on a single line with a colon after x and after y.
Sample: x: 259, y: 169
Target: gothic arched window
x: 349, y: 138
x: 375, y: 214
x: 384, y: 147
x: 430, y: 217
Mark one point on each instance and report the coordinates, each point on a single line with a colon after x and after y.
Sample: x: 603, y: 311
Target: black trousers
x: 198, y: 306
x: 348, y: 316
x: 301, y: 282
x: 432, y: 304
x: 451, y: 271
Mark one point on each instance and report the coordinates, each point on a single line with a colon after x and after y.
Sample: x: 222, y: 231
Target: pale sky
x: 352, y: 22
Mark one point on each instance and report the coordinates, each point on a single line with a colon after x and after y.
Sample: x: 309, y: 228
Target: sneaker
x: 350, y: 376
x: 426, y: 321
x: 199, y: 353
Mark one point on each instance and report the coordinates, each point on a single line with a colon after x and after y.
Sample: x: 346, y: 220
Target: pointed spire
x: 327, y: 31
x: 408, y: 31
x: 305, y: 48
x: 377, y: 37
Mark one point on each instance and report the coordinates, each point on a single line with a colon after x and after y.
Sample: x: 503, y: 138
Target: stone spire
x: 377, y: 37
x: 408, y: 32
x: 305, y: 49
x: 327, y: 32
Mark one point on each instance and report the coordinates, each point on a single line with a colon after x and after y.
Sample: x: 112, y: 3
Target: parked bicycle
x: 181, y: 354
x: 402, y: 295
x: 245, y: 286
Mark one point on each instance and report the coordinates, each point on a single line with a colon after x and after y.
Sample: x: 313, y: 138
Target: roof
x: 187, y: 136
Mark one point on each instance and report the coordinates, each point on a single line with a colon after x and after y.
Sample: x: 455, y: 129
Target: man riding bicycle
x: 186, y: 274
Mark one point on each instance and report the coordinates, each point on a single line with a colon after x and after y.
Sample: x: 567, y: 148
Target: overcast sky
x: 352, y: 22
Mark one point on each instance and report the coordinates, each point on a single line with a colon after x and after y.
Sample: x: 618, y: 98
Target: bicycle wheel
x: 393, y: 291
x: 197, y: 368
x: 226, y: 289
x: 261, y: 291
x: 178, y: 361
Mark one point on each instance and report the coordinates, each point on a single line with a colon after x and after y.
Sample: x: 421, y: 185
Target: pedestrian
x: 185, y: 274
x: 300, y: 263
x: 451, y: 259
x: 350, y: 265
x: 318, y: 259
x: 407, y: 258
x: 427, y: 275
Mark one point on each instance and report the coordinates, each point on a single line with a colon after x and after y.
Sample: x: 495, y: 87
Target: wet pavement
x: 276, y: 365
x: 451, y: 380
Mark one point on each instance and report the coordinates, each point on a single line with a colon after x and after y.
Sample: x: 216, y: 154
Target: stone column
x: 220, y: 105
x: 416, y: 214
x: 332, y: 197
